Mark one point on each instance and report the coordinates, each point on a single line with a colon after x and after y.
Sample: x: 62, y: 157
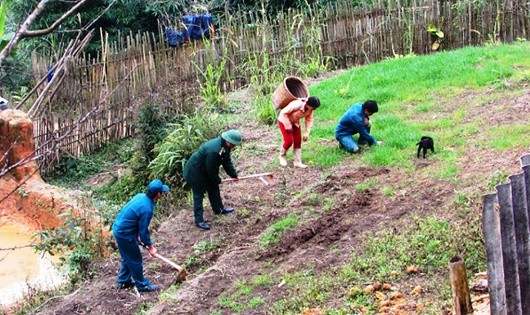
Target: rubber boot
x: 298, y: 158
x: 283, y: 153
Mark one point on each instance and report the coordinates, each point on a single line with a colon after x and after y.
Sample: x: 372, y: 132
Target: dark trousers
x: 131, y: 262
x: 214, y: 195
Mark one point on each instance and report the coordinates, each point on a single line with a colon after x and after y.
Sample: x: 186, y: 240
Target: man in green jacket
x: 201, y: 172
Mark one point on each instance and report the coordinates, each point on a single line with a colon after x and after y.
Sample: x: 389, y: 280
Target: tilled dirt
x: 237, y: 257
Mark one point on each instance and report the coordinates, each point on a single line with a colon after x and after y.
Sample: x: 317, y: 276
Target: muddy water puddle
x: 20, y: 266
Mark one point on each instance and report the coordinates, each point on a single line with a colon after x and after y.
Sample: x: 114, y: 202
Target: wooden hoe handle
x: 248, y: 176
x: 182, y: 272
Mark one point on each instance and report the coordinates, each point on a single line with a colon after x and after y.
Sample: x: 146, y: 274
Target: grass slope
x: 412, y: 93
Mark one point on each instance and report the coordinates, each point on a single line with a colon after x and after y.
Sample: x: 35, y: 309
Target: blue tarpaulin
x: 195, y: 27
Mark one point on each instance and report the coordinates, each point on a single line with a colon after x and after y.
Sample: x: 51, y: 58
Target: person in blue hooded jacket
x: 131, y: 229
x: 356, y: 121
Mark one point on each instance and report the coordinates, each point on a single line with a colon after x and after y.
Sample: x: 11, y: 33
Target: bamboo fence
x: 104, y: 90
x: 506, y: 229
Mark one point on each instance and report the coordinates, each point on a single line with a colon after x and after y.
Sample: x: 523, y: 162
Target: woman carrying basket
x: 289, y: 123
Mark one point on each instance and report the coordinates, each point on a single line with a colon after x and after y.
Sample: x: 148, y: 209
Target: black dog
x: 425, y: 143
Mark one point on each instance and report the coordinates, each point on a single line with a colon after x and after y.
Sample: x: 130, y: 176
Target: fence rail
x: 106, y: 87
x: 506, y: 232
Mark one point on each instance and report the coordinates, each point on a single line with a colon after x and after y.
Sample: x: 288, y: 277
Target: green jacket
x: 203, y: 166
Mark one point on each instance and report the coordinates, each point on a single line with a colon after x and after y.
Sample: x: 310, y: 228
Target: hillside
x: 340, y: 222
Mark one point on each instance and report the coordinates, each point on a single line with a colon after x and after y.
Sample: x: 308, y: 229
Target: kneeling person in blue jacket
x: 356, y: 120
x: 130, y: 229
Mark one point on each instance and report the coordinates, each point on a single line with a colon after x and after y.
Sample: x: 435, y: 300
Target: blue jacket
x: 352, y: 122
x: 134, y: 219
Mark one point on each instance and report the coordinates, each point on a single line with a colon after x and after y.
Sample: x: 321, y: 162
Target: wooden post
x: 461, y: 296
x: 492, y: 237
x: 509, y: 250
x: 520, y: 216
x: 525, y: 163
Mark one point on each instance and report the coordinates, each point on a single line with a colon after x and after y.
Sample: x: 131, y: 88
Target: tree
x: 24, y: 30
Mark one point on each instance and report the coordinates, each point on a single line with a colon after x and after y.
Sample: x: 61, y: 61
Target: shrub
x: 151, y: 125
x: 79, y: 242
x: 184, y: 138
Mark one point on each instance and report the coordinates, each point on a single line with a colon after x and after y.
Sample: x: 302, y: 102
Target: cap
x: 156, y: 186
x: 233, y: 136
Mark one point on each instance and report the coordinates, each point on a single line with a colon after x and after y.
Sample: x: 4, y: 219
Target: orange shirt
x: 291, y: 114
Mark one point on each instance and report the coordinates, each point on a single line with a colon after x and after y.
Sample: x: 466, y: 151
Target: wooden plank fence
x: 105, y: 89
x: 506, y: 232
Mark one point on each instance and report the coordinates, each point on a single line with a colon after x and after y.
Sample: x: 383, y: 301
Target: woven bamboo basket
x: 291, y: 89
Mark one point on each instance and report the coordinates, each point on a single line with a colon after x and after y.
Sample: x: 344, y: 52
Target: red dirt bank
x: 23, y: 193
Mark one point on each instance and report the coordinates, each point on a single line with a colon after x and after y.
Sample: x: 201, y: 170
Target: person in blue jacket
x: 130, y: 229
x: 356, y: 121
x: 201, y: 172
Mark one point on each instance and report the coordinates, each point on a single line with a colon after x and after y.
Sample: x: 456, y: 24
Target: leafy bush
x: 78, y: 240
x: 151, y: 124
x: 184, y: 138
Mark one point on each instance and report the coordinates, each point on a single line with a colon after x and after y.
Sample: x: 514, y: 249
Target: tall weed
x: 210, y: 77
x: 263, y: 81
x: 265, y: 111
x: 211, y: 93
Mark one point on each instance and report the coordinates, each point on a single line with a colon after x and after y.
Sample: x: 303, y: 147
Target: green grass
x: 407, y: 89
x: 388, y: 191
x: 497, y: 178
x: 169, y: 293
x: 264, y: 280
x: 242, y: 298
x: 205, y: 246
x: 367, y: 184
x: 274, y: 232
x: 508, y: 136
x: 426, y: 245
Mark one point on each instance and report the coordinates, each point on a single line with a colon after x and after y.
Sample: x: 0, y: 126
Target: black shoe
x: 203, y: 225
x: 125, y: 285
x: 226, y: 211
x: 149, y: 288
